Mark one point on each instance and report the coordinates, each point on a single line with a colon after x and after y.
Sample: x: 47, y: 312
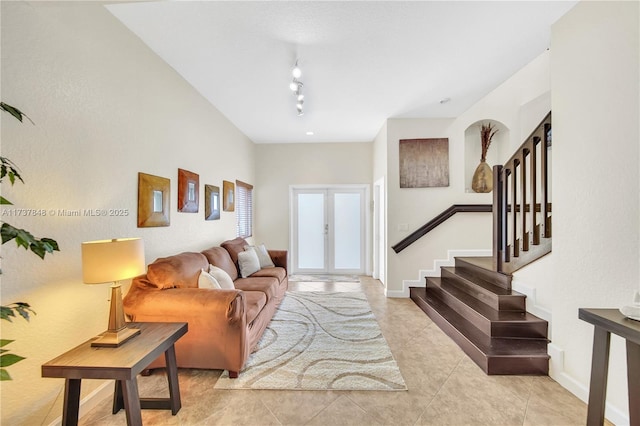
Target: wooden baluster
x: 514, y: 208
x: 504, y: 243
x: 533, y: 223
x: 524, y: 235
x: 544, y: 183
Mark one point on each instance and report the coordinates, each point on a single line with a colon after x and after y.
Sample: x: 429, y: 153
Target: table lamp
x: 111, y: 261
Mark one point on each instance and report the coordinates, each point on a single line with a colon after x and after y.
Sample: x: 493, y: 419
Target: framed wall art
x: 424, y: 163
x: 153, y: 200
x: 211, y: 202
x: 188, y: 191
x: 228, y: 195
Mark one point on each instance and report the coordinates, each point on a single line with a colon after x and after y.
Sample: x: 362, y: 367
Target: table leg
x: 633, y: 375
x: 172, y: 375
x: 132, y: 402
x: 71, y: 402
x: 599, y: 371
x: 118, y: 401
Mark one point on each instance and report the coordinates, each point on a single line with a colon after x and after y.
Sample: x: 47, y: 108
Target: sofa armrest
x: 185, y: 302
x: 279, y: 258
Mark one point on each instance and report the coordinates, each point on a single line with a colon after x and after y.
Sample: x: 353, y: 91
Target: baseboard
x: 435, y: 271
x: 580, y: 390
x: 532, y: 301
x: 91, y: 401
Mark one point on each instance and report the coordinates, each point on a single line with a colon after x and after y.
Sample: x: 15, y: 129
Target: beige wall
x: 280, y: 165
x: 596, y: 200
x: 105, y: 108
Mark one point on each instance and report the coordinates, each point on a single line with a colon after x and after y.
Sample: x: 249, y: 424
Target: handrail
x: 456, y: 208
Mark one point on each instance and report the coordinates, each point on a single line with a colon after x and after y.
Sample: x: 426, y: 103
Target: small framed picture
x: 211, y: 202
x: 188, y: 191
x: 228, y: 195
x: 153, y: 200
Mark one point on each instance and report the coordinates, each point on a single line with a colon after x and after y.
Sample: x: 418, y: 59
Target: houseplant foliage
x: 23, y: 238
x: 483, y: 176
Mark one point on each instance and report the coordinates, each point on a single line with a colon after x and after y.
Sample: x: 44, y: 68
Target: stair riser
x: 499, y: 279
x: 496, y: 364
x: 499, y: 302
x: 528, y: 330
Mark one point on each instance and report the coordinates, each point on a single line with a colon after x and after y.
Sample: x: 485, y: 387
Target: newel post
x: 498, y: 218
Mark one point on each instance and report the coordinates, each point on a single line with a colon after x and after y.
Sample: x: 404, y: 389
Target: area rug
x: 324, y: 278
x: 320, y: 341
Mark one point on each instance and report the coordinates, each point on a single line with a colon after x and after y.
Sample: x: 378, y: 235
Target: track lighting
x: 296, y: 87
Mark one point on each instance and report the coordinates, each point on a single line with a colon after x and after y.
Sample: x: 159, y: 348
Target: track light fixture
x: 296, y: 87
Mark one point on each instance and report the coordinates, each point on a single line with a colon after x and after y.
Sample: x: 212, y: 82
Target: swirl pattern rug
x: 320, y: 341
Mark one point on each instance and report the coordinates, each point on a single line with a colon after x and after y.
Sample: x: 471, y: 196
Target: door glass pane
x: 347, y: 228
x: 311, y: 231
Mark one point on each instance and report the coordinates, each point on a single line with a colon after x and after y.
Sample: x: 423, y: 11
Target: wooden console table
x: 607, y: 321
x: 121, y: 364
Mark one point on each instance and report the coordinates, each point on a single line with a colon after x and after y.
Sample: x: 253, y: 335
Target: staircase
x: 473, y: 302
x: 476, y: 307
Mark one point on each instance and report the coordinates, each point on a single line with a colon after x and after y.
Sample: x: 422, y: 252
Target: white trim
x: 532, y: 300
x: 435, y: 272
x: 557, y: 373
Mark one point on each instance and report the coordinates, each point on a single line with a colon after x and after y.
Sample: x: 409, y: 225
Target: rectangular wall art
x: 424, y: 163
x: 211, y: 202
x: 188, y: 191
x: 153, y: 200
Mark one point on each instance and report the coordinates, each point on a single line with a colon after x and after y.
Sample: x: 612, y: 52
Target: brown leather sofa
x: 224, y: 325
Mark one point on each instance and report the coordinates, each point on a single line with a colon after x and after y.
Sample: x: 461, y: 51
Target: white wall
x: 522, y: 100
x: 278, y: 166
x: 105, y: 108
x: 596, y: 203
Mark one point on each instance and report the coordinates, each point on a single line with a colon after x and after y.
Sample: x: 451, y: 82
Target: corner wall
x: 596, y: 184
x: 105, y: 107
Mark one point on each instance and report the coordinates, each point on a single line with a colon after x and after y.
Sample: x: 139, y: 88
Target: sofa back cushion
x: 181, y: 270
x: 234, y: 247
x: 217, y: 256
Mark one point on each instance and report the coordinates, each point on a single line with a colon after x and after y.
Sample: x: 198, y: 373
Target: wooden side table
x: 121, y: 364
x: 607, y: 321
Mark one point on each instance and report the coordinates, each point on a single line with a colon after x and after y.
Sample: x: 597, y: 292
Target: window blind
x: 244, y: 209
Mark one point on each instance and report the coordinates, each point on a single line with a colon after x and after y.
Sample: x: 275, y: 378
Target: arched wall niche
x: 473, y: 148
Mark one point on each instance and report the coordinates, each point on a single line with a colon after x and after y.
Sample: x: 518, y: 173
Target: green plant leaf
x: 9, y: 168
x: 4, y: 342
x: 4, y: 201
x: 15, y: 112
x: 29, y: 242
x: 4, y: 375
x: 6, y: 313
x: 10, y: 359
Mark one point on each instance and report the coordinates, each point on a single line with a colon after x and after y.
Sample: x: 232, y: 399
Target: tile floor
x: 445, y: 387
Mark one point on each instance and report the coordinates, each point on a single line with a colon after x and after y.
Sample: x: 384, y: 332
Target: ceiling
x: 362, y: 62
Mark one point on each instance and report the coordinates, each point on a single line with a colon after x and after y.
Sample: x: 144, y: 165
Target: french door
x: 329, y: 229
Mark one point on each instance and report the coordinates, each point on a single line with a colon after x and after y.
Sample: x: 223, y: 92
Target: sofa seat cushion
x: 181, y: 270
x: 267, y: 285
x: 276, y: 272
x: 254, y: 302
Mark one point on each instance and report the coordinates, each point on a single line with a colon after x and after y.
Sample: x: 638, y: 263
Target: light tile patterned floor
x: 445, y: 387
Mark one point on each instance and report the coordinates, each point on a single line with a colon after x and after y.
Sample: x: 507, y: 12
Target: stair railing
x: 522, y: 203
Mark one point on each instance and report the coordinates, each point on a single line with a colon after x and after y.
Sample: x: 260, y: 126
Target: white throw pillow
x: 248, y: 262
x: 225, y: 281
x: 263, y: 255
x: 206, y: 280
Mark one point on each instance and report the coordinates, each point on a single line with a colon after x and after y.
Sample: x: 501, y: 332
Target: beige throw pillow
x: 225, y: 281
x: 206, y: 280
x: 248, y: 262
x: 263, y: 255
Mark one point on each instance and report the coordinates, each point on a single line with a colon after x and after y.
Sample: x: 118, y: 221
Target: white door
x: 379, y: 244
x: 328, y: 230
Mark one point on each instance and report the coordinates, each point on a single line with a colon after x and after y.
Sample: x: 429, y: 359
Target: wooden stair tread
x: 486, y: 344
x: 485, y: 262
x: 484, y: 284
x: 483, y: 309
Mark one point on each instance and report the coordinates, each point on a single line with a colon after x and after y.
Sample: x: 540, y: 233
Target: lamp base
x: 113, y: 339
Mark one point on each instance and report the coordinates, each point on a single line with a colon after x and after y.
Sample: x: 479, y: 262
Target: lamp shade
x: 112, y: 260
